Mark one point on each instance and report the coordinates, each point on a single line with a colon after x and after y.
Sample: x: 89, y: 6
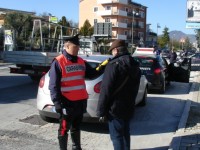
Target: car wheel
x: 162, y: 90
x: 47, y: 119
x: 144, y: 99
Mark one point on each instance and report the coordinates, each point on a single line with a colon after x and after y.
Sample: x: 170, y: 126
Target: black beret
x: 72, y: 39
x: 117, y: 43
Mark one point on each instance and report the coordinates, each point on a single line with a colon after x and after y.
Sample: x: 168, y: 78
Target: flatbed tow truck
x: 36, y: 59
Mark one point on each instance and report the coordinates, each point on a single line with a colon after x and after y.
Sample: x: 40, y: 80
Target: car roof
x: 98, y: 58
x: 145, y: 52
x: 144, y: 55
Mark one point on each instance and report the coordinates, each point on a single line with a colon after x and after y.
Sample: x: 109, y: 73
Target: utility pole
x: 134, y: 13
x: 158, y: 26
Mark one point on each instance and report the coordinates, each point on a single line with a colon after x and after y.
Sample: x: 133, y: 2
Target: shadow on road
x: 160, y: 115
x: 18, y: 88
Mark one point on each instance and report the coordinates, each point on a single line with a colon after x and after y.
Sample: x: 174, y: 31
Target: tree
x: 187, y: 44
x: 87, y: 29
x: 1, y: 38
x: 65, y: 23
x: 198, y: 37
x: 20, y: 24
x: 164, y: 39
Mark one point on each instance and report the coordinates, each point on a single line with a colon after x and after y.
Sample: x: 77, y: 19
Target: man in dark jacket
x: 172, y: 56
x: 119, y: 89
x: 172, y: 59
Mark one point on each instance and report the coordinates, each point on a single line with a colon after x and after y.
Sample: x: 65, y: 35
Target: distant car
x: 157, y: 70
x: 46, y: 107
x: 165, y: 52
x: 195, y: 62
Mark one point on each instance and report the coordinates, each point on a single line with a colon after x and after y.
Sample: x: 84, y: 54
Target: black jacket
x: 120, y: 105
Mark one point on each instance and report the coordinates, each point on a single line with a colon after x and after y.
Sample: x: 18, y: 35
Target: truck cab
x: 88, y: 46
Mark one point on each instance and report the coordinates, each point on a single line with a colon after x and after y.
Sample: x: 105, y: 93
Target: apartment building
x: 128, y: 18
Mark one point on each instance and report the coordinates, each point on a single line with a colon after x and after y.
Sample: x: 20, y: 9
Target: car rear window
x: 92, y: 73
x: 145, y: 61
x: 93, y: 64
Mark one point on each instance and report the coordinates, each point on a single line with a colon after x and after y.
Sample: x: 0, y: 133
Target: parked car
x: 165, y: 52
x: 157, y: 70
x: 46, y: 107
x: 195, y: 62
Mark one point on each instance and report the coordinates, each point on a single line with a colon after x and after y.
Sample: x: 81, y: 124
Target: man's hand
x: 102, y: 119
x: 59, y: 110
x: 102, y: 65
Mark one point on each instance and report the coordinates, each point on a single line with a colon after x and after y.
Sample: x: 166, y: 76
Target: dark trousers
x: 119, y: 133
x: 71, y: 123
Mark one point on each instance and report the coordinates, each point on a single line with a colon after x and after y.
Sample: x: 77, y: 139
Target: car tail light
x: 97, y: 87
x: 157, y: 71
x: 41, y: 84
x: 43, y: 73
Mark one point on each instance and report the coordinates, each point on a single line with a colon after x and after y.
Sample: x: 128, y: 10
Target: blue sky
x: 168, y: 13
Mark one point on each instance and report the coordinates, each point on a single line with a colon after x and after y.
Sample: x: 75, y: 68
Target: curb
x: 184, y: 117
x: 5, y: 64
x: 176, y: 141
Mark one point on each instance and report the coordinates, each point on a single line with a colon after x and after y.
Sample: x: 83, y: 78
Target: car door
x: 180, y: 73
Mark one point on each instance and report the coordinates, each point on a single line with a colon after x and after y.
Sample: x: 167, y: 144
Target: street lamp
x: 158, y: 26
x: 173, y: 41
x: 134, y: 13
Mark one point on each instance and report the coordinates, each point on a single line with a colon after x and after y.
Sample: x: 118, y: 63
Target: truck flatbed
x: 29, y: 57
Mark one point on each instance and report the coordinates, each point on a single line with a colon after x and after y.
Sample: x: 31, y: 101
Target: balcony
x: 119, y: 24
x: 120, y: 36
x: 130, y: 14
x: 104, y: 13
x: 112, y: 1
x: 135, y: 38
x: 112, y: 12
x: 136, y: 26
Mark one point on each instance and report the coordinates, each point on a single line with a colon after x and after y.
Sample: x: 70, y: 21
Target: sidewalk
x: 4, y: 64
x: 187, y: 136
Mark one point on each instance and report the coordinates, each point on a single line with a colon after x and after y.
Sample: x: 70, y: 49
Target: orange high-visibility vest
x: 72, y: 80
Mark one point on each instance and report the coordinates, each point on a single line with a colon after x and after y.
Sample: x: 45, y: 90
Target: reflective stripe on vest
x: 67, y: 89
x: 72, y: 78
x: 72, y: 81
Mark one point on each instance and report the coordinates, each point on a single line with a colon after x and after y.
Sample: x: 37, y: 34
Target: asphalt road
x: 21, y: 128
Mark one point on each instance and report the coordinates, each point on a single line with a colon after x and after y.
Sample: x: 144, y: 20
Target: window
x: 126, y: 9
x: 141, y: 24
x: 141, y: 34
x: 107, y: 19
x: 95, y: 21
x: 95, y: 9
x: 108, y: 7
x: 125, y: 32
x: 142, y: 14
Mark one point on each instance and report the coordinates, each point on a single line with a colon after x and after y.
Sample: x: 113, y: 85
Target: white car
x: 47, y: 109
